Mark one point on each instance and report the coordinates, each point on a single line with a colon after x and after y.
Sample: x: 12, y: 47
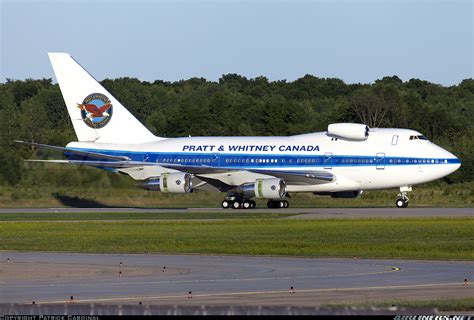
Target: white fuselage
x: 386, y: 159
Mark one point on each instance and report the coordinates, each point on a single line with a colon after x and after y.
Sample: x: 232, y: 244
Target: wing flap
x: 307, y: 177
x: 300, y: 177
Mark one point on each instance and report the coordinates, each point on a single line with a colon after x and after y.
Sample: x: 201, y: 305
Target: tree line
x: 34, y: 110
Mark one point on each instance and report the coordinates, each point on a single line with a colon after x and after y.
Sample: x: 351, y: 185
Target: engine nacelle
x: 350, y: 131
x: 273, y: 188
x: 178, y: 182
x: 340, y: 194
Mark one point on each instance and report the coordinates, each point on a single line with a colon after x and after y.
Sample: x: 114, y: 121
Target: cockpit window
x: 418, y: 137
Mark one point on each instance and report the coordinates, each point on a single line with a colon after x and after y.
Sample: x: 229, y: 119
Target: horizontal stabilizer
x: 74, y: 151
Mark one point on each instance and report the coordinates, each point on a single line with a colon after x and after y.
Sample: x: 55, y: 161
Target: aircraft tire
x: 400, y: 203
x: 226, y: 204
x: 236, y: 205
x: 246, y: 204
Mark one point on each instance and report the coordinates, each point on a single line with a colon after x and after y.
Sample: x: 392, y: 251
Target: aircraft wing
x: 308, y: 177
x: 300, y: 177
x: 88, y: 154
x: 94, y: 159
x: 99, y: 163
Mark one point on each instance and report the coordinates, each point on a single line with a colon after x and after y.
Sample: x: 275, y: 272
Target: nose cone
x: 452, y: 163
x: 457, y: 165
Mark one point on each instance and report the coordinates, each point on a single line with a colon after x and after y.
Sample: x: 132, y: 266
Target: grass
x: 428, y: 195
x: 70, y: 216
x: 407, y: 238
x: 462, y: 304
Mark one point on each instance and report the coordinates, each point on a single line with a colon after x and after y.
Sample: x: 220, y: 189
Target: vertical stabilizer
x: 95, y: 114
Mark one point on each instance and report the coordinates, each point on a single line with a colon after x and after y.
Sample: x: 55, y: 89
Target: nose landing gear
x: 402, y: 201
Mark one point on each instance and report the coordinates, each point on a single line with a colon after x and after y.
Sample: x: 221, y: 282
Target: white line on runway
x: 121, y: 283
x: 458, y: 284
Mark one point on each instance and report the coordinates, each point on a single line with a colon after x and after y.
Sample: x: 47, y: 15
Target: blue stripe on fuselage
x: 234, y: 160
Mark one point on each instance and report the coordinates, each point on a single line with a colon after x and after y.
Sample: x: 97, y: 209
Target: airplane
x: 342, y: 162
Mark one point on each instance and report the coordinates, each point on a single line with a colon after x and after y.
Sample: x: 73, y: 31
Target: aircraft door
x: 327, y: 160
x: 380, y: 161
x: 215, y: 160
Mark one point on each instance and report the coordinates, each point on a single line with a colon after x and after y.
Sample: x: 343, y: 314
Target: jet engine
x: 178, y: 182
x: 340, y: 194
x: 349, y: 131
x: 273, y: 188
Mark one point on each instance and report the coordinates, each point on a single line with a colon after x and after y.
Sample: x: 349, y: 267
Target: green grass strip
x: 230, y: 214
x: 408, y: 238
x: 461, y: 304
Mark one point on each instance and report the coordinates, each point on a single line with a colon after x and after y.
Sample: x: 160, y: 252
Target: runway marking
x: 119, y: 283
x: 248, y: 293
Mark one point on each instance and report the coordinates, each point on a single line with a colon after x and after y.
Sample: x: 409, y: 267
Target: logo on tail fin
x: 96, y: 110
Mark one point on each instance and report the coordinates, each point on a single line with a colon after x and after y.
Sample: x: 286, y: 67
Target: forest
x: 34, y: 110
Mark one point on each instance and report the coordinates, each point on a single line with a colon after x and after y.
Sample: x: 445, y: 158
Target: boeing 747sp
x: 340, y: 162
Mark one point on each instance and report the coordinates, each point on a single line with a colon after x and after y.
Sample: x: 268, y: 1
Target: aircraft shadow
x: 79, y: 202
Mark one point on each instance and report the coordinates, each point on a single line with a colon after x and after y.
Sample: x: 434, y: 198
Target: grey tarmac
x: 301, y: 213
x: 225, y: 280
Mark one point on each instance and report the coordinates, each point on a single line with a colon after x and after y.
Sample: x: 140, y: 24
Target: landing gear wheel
x: 270, y: 204
x: 237, y: 205
x: 253, y: 204
x: 401, y: 203
x: 226, y: 204
x: 278, y: 204
x: 246, y: 204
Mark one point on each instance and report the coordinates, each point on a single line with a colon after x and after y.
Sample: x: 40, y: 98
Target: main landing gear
x: 237, y: 203
x: 402, y: 201
x: 277, y: 204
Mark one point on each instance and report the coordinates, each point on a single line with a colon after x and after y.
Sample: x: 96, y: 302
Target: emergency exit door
x: 327, y: 160
x: 380, y: 161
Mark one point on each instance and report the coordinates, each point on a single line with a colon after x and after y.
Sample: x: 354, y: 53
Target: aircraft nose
x: 453, y: 163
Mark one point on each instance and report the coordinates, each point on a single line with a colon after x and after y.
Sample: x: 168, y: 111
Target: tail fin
x: 95, y: 114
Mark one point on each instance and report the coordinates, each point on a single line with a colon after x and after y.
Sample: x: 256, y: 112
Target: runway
x: 230, y: 280
x: 299, y: 213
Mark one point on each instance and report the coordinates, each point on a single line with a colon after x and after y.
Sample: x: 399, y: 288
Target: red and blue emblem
x: 96, y: 110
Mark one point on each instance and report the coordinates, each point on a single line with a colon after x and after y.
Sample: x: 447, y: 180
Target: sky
x: 356, y: 41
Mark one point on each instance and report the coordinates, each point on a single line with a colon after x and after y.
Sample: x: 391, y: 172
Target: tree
x: 369, y: 107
